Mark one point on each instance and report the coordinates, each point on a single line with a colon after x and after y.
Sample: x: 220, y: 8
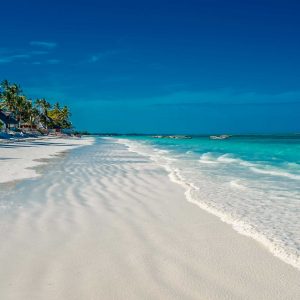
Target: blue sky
x: 159, y: 66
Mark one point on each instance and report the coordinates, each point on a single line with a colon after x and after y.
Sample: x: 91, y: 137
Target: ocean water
x: 252, y: 183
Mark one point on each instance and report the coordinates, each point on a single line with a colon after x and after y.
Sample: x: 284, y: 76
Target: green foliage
x: 40, y: 112
x: 60, y: 116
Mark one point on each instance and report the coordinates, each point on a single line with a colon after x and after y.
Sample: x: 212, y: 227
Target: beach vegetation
x: 39, y: 114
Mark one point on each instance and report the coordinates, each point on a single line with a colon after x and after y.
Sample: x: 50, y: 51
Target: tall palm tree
x: 43, y: 106
x: 9, y: 96
x: 65, y: 115
x: 32, y: 114
x: 21, y: 104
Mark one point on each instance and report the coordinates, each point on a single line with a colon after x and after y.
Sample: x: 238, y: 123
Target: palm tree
x: 32, y: 113
x: 13, y: 102
x: 9, y: 96
x: 55, y: 115
x: 21, y: 104
x: 43, y: 106
x: 60, y: 116
x: 65, y: 115
x: 56, y: 106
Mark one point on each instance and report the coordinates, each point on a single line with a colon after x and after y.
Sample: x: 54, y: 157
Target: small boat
x: 172, y: 137
x: 219, y: 137
x: 181, y: 137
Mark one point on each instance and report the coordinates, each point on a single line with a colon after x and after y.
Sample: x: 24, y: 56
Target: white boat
x: 219, y: 137
x: 172, y: 136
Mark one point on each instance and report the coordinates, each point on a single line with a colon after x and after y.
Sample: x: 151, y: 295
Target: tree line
x: 37, y: 113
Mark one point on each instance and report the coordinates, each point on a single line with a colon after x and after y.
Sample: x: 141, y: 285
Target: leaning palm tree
x: 60, y: 116
x: 32, y: 114
x: 43, y: 106
x: 55, y: 115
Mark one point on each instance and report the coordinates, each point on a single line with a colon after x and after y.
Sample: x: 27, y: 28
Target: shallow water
x: 252, y: 183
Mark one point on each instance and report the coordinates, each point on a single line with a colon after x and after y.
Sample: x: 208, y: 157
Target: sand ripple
x: 106, y: 223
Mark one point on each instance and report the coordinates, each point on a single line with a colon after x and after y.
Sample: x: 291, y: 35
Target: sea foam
x: 254, y: 206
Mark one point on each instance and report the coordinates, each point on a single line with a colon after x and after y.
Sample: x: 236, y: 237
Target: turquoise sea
x: 250, y: 182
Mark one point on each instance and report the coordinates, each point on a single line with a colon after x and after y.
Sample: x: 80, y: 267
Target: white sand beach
x: 107, y: 223
x: 18, y: 158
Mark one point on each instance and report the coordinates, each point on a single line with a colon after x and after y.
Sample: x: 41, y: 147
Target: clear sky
x: 198, y: 66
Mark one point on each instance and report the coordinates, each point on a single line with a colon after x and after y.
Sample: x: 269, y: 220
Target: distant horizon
x: 197, y: 134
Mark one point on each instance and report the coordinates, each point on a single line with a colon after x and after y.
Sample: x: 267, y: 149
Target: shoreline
x: 108, y: 223
x: 19, y: 157
x: 238, y: 225
x: 256, y: 237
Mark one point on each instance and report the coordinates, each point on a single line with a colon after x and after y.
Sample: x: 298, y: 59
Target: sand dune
x: 106, y: 223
